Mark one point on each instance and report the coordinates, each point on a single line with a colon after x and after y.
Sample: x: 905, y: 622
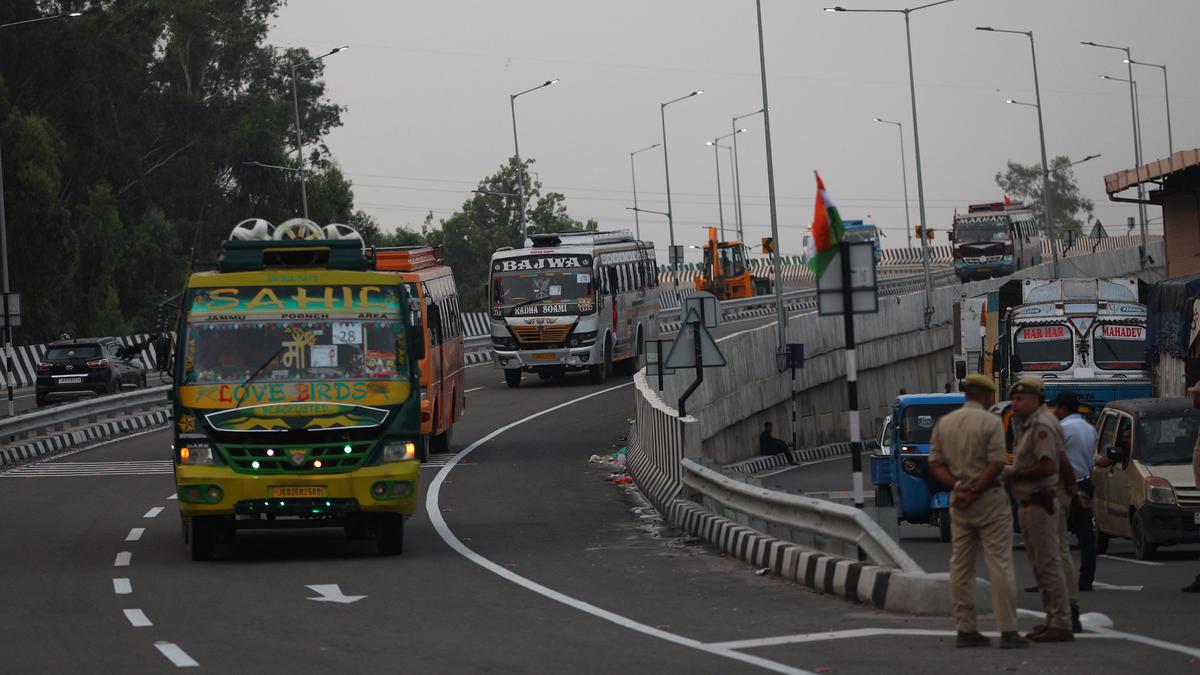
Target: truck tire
x: 512, y: 377
x: 202, y: 537
x: 389, y: 533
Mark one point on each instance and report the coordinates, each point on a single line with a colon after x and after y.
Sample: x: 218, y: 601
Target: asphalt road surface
x: 525, y: 559
x: 1139, y: 596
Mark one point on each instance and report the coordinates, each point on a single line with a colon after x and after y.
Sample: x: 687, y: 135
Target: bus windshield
x: 231, y: 351
x: 1119, y: 347
x: 542, y: 292
x: 978, y: 233
x: 1045, y: 348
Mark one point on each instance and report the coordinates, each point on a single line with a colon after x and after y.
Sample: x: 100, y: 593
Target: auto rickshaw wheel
x: 943, y: 518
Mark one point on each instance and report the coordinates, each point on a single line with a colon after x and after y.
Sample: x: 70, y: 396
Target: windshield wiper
x: 256, y: 373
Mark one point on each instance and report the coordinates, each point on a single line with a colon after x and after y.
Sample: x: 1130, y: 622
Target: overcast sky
x: 427, y: 83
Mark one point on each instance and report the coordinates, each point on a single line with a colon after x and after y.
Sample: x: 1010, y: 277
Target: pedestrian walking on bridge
x: 967, y: 455
x: 1033, y: 479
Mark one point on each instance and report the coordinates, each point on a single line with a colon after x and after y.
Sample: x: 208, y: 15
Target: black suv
x: 80, y: 367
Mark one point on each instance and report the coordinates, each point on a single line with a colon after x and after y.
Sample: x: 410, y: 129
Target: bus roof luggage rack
x: 582, y: 238
x: 406, y: 258
x: 252, y: 255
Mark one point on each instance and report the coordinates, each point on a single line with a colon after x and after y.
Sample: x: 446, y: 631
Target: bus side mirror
x: 950, y: 236
x: 416, y: 343
x: 162, y: 353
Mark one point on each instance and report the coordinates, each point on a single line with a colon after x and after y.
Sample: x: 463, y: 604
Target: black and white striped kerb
x: 655, y: 455
x: 855, y: 581
x: 26, y: 450
x: 757, y: 464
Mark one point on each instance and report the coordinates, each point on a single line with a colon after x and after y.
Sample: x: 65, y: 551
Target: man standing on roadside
x: 1033, y: 478
x: 967, y: 455
x: 1080, y: 440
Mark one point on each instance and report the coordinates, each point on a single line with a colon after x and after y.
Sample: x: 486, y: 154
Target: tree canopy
x: 1067, y: 205
x: 125, y: 135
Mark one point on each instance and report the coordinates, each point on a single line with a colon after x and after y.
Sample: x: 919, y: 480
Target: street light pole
x: 737, y: 176
x: 1137, y: 140
x: 912, y: 94
x: 903, y: 177
x: 633, y: 174
x: 10, y: 361
x: 296, y: 110
x: 776, y: 262
x: 512, y: 106
x: 662, y: 111
x: 715, y: 143
x: 1166, y: 95
x: 1047, y: 200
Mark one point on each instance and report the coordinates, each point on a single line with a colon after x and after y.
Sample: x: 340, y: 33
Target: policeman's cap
x: 1027, y: 387
x: 981, y: 381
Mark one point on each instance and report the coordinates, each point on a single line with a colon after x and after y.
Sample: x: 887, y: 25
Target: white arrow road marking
x: 333, y: 593
x: 122, y: 586
x: 122, y: 559
x: 137, y: 618
x: 1110, y: 587
x: 176, y: 655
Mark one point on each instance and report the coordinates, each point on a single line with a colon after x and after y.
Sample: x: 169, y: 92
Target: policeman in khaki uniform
x: 1033, y: 479
x: 967, y: 455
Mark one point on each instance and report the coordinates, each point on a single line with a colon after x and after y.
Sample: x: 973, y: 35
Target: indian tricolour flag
x: 826, y: 231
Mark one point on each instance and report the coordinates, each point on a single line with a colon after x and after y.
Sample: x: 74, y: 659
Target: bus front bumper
x: 569, y: 357
x: 388, y: 488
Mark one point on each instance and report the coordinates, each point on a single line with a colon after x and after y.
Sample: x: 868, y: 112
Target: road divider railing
x: 35, y: 433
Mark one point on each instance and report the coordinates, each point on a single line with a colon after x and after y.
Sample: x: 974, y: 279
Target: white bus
x: 573, y: 301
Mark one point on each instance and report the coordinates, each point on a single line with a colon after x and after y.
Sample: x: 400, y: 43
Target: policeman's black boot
x: 1076, y: 626
x: 972, y: 639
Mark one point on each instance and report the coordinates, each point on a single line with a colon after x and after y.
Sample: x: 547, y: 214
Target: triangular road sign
x: 1098, y: 231
x: 683, y: 350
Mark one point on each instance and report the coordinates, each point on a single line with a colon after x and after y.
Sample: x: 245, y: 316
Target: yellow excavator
x: 725, y: 273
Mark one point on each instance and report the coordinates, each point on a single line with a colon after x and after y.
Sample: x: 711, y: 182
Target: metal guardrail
x: 70, y: 414
x: 846, y: 524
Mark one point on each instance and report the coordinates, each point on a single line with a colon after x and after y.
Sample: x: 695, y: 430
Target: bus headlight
x: 195, y: 453
x: 581, y: 339
x: 399, y: 451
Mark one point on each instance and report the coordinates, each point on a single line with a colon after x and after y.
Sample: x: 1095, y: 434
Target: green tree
x: 1066, y: 203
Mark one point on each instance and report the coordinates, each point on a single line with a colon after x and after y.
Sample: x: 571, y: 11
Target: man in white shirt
x: 1080, y: 438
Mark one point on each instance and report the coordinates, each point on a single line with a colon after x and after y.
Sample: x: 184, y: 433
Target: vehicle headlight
x: 1159, y: 491
x: 579, y: 339
x: 399, y: 451
x: 195, y: 453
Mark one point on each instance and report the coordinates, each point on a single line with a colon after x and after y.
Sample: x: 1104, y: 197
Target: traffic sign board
x: 684, y: 350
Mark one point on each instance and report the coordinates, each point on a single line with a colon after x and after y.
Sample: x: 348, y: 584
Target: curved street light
x: 296, y: 110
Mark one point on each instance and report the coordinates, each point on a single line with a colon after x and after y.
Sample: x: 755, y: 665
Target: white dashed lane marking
x: 176, y: 655
x: 122, y: 559
x: 153, y: 512
x: 137, y: 618
x: 135, y: 534
x: 122, y: 586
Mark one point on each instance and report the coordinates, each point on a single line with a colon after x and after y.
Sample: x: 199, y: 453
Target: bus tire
x: 600, y: 371
x: 389, y: 533
x: 512, y: 377
x: 202, y: 537
x: 441, y: 442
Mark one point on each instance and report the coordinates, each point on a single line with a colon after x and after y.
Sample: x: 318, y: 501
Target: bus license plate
x: 543, y: 357
x: 298, y: 491
x: 70, y: 380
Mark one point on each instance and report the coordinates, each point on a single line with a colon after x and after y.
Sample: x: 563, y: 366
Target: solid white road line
x: 474, y: 389
x: 1132, y: 560
x: 135, y: 534
x: 137, y: 618
x: 122, y: 586
x: 122, y: 559
x: 176, y: 655
x: 434, y: 510
x: 153, y: 512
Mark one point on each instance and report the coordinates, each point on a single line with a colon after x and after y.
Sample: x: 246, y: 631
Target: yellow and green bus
x: 296, y: 395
